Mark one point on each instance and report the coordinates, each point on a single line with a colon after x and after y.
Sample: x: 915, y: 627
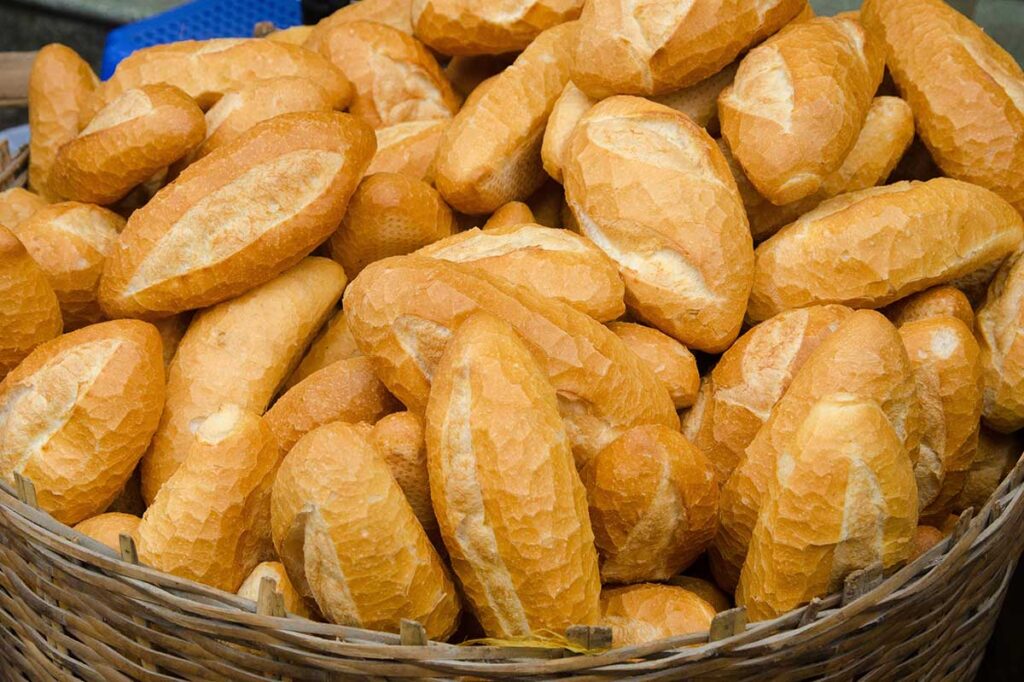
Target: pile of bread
x: 657, y: 345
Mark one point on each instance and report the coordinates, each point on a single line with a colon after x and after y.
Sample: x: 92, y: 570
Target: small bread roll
x: 31, y: 313
x: 925, y: 537
x: 239, y: 353
x: 78, y: 412
x: 350, y: 540
x: 58, y: 86
x: 71, y: 242
x: 966, y: 91
x: 670, y: 360
x: 347, y: 391
x: 843, y: 498
x: 798, y: 102
x: 700, y: 101
x: 394, y: 13
x: 17, y: 205
x: 407, y: 148
x: 935, y: 302
x: 396, y: 79
x: 739, y: 394
x: 490, y: 153
x: 934, y: 232
x: 652, y: 190
x: 250, y: 589
x: 635, y: 48
x: 865, y: 357
x: 510, y: 505
x: 704, y: 589
x: 210, y: 522
x: 508, y: 215
x: 403, y: 311
x: 333, y: 343
x: 639, y: 614
x: 653, y: 504
x: 997, y: 453
x: 465, y: 73
x: 556, y: 264
x: 239, y: 217
x: 569, y: 108
x: 389, y: 215
x: 400, y: 440
x: 466, y: 27
x: 296, y: 35
x: 1000, y: 325
x: 108, y: 528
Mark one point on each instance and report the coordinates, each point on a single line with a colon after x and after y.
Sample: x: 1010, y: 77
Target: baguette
x: 292, y: 600
x: 400, y: 440
x: 508, y: 215
x: 653, y: 504
x: 296, y: 35
x: 925, y: 537
x: 394, y: 13
x: 653, y: 191
x: 465, y: 27
x: 935, y: 302
x: 138, y: 133
x: 389, y: 215
x: 17, y: 205
x: 31, y: 313
x: 333, y: 343
x: 238, y: 217
x: 78, y: 412
x: 407, y: 148
x: 966, y: 91
x: 1000, y: 326
x: 210, y: 522
x: 71, y: 242
x: 490, y: 153
x: 704, y: 589
x: 933, y: 232
x: 524, y: 554
x: 402, y: 311
x: 552, y: 263
x: 569, y: 108
x: 638, y: 614
x: 108, y: 528
x: 59, y: 84
x: 997, y: 453
x: 238, y: 353
x: 349, y: 539
x: 670, y: 360
x: 842, y: 500
x: 632, y: 47
x: 865, y: 358
x: 807, y: 90
x: 736, y: 398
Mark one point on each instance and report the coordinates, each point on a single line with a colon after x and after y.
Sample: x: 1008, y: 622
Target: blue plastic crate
x: 198, y: 20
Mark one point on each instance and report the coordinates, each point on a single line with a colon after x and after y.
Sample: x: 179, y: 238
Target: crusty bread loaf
x: 966, y: 91
x: 108, y: 528
x: 638, y: 614
x: 210, y: 235
x: 700, y: 101
x: 78, y: 412
x: 864, y: 357
x: 705, y: 589
x: 569, y: 108
x: 651, y: 188
x: 508, y: 215
x: 402, y: 311
x: 296, y: 35
x: 996, y: 455
x: 798, y: 102
x: 350, y: 540
x: 400, y: 440
x: 670, y: 360
x: 394, y: 13
x: 739, y: 394
x: 210, y: 522
x: 490, y: 153
x: 130, y: 139
x: 467, y: 27
x: 407, y: 148
x: 1000, y: 325
x: 333, y: 343
x: 31, y: 313
x: 556, y: 264
x: 390, y: 214
x: 58, y: 86
x: 935, y: 302
x: 842, y: 498
x: 633, y: 47
x: 17, y: 204
x: 925, y: 537
x: 524, y: 554
x: 293, y: 601
x: 465, y: 73
x: 396, y: 79
x: 934, y: 232
x: 238, y: 353
x: 71, y: 242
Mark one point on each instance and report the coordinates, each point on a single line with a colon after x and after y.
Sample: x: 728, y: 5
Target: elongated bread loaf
x: 670, y: 360
x: 333, y: 343
x: 78, y: 412
x: 524, y: 555
x: 394, y: 13
x: 638, y: 614
x: 402, y: 311
x: 653, y: 191
x: 108, y: 528
x: 58, y: 86
x: 400, y: 440
x: 633, y: 47
x: 210, y: 522
x: 508, y: 215
x: 739, y: 394
x: 407, y: 148
x: 705, y: 589
x: 490, y: 153
x: 966, y: 91
x: 31, y: 313
x: 350, y: 540
x: 467, y: 27
x: 569, y: 108
x: 843, y: 498
x: 935, y: 302
x: 653, y: 504
x: 553, y: 263
x: 239, y: 353
x: 293, y: 601
x: 933, y: 232
x: 997, y: 453
x: 296, y: 35
x: 17, y: 204
x: 798, y: 102
x: 238, y: 217
x: 1000, y: 326
x: 865, y: 358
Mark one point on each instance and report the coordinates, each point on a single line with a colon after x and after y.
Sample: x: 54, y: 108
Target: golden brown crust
x: 296, y: 35
x: 407, y: 148
x: 1000, y: 326
x: 172, y: 329
x: 108, y: 528
x: 31, y: 311
x: 250, y: 588
x: 508, y: 215
x: 17, y: 205
x: 704, y: 589
x: 394, y: 13
x: 700, y: 100
x: 935, y: 302
x: 670, y: 360
x: 333, y: 343
x: 639, y: 614
x: 569, y: 108
x: 400, y: 440
x: 466, y: 27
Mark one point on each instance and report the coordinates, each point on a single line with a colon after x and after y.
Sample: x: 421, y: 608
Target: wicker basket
x: 73, y: 609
